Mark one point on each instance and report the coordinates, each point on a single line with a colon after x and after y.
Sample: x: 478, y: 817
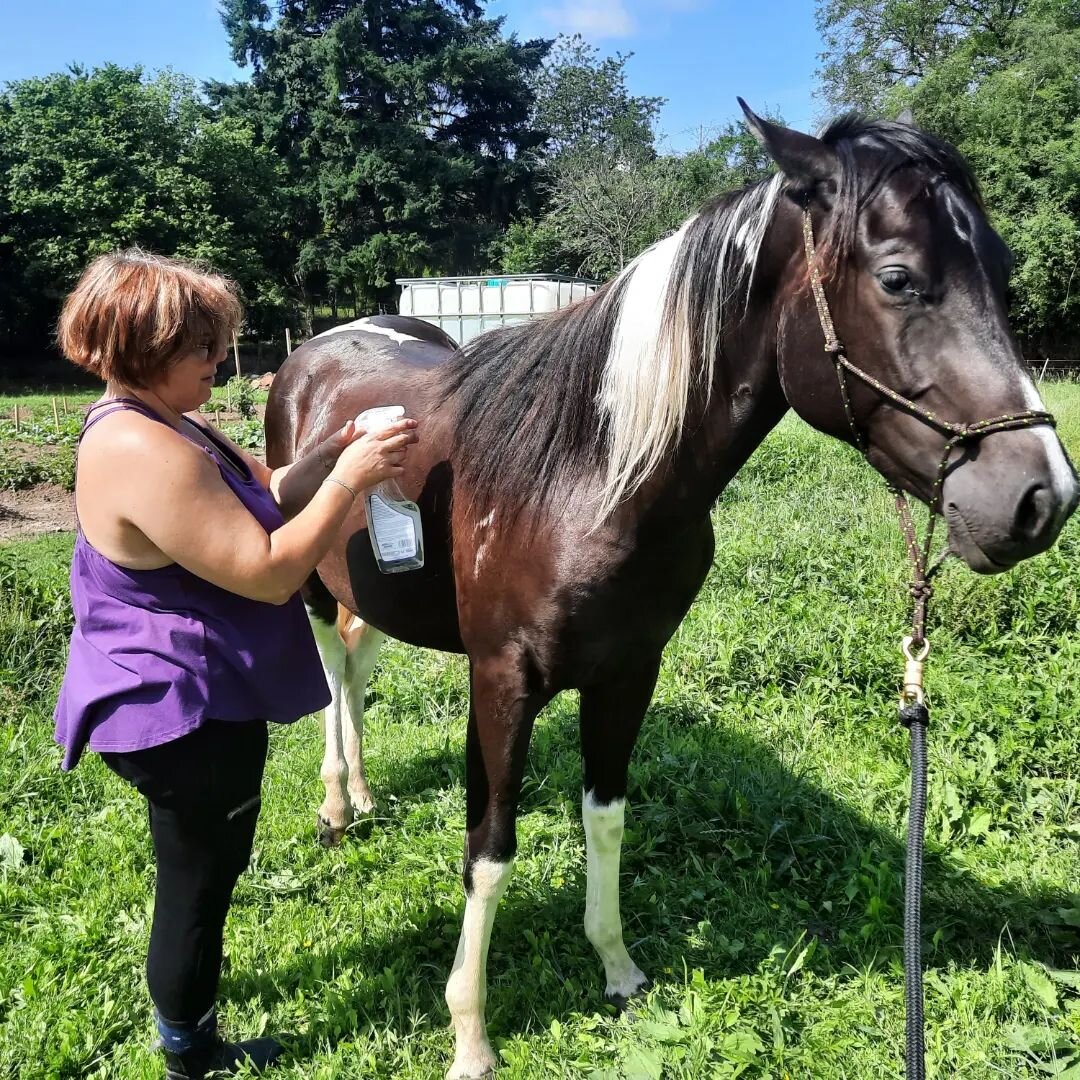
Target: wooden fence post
x: 56, y: 417
x: 288, y: 342
x: 236, y: 353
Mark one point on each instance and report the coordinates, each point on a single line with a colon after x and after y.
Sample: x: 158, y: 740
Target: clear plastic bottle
x: 397, y: 537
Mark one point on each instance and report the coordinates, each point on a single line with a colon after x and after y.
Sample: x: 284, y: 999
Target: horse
x: 567, y: 466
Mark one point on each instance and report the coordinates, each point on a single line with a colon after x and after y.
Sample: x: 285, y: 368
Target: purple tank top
x: 156, y: 653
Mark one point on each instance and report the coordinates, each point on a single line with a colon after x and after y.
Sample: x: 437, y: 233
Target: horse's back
x: 379, y: 360
x: 385, y: 360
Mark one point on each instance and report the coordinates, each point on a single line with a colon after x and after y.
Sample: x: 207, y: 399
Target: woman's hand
x: 365, y: 459
x: 329, y: 450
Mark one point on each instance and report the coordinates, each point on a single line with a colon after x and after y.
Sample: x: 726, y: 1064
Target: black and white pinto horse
x: 566, y: 468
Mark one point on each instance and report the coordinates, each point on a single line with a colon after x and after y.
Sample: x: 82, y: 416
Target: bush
x: 243, y: 396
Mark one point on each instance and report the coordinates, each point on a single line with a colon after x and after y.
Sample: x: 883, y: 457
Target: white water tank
x: 466, y: 306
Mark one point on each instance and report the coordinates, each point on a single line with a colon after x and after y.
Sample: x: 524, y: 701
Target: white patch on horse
x: 651, y: 366
x: 335, y: 812
x: 960, y: 215
x: 482, y: 547
x: 603, y: 921
x: 466, y: 989
x: 362, y: 643
x: 1061, y: 473
x: 368, y: 327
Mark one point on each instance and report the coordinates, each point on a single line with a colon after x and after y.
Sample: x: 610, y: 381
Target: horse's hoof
x: 473, y: 1064
x: 330, y: 835
x: 625, y: 1002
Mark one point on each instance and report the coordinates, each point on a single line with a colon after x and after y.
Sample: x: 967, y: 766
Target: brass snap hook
x: 913, y: 671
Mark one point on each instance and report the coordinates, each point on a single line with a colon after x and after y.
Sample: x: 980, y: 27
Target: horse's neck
x: 745, y: 404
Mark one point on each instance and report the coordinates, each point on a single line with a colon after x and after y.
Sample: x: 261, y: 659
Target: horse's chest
x: 633, y: 605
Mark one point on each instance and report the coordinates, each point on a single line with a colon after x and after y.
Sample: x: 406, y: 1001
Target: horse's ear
x: 806, y: 161
x: 906, y: 117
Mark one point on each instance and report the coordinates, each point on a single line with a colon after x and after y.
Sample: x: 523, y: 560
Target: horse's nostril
x: 1034, y: 513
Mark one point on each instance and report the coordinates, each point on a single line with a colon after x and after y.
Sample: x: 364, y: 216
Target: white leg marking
x: 466, y: 989
x: 362, y: 644
x: 603, y: 923
x: 335, y: 810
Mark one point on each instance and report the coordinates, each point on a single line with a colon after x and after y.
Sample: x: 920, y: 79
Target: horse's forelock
x: 861, y: 176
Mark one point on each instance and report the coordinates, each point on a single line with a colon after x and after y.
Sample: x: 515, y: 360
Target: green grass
x: 762, y: 869
x: 46, y: 443
x: 39, y: 405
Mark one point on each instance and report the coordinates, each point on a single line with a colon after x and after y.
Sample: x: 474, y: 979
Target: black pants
x: 203, y: 795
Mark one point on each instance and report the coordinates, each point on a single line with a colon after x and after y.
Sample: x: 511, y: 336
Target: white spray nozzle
x: 372, y: 420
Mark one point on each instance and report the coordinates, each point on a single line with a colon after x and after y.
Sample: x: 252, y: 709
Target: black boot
x: 221, y: 1058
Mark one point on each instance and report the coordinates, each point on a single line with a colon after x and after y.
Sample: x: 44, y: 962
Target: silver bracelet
x: 340, y: 483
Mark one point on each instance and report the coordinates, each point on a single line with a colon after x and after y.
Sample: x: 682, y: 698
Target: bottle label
x: 394, y: 529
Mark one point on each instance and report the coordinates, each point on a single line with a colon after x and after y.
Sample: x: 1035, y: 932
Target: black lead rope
x: 914, y: 713
x: 915, y: 717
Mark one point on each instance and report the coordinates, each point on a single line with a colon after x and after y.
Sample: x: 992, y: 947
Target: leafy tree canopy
x: 404, y: 128
x: 1000, y: 79
x: 93, y: 161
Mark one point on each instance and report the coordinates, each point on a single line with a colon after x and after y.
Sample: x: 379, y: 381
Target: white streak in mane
x: 651, y: 367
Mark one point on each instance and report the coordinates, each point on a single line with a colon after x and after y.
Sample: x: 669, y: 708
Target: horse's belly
x: 415, y: 606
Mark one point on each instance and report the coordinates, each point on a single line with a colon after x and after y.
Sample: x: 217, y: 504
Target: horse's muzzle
x: 1010, y: 500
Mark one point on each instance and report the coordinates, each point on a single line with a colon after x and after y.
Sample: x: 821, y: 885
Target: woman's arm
x: 294, y: 485
x: 175, y: 496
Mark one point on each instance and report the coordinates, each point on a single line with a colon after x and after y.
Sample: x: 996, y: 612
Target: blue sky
x: 699, y: 54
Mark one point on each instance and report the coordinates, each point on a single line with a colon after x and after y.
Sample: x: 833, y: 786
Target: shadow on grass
x: 728, y: 853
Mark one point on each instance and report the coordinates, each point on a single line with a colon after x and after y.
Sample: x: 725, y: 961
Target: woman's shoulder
x: 127, y: 450
x: 115, y: 430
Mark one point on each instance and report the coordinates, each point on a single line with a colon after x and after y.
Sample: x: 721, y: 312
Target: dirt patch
x: 44, y: 508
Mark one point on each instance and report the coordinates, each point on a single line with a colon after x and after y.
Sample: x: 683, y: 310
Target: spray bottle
x: 397, y: 537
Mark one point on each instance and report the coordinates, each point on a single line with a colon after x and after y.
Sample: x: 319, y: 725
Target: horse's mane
x: 601, y: 389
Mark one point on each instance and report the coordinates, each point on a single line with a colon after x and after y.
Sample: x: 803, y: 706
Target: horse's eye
x: 895, y: 280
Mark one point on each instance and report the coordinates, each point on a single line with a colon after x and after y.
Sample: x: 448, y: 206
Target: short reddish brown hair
x: 133, y: 313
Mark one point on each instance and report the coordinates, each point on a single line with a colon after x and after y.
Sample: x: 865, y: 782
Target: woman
x: 189, y: 631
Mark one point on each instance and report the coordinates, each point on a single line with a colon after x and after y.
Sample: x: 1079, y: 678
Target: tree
x: 596, y: 181
x: 105, y: 159
x: 404, y: 127
x: 583, y: 106
x: 605, y: 207
x: 1001, y: 81
x: 874, y: 45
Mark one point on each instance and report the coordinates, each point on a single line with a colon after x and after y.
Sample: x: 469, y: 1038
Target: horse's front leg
x: 501, y: 716
x: 611, y: 716
x: 335, y: 815
x: 362, y: 644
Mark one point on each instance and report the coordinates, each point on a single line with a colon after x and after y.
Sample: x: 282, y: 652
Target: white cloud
x: 593, y: 19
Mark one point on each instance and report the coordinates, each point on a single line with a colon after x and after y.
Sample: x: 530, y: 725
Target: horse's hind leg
x: 362, y: 644
x: 335, y: 814
x: 611, y: 716
x: 501, y: 716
